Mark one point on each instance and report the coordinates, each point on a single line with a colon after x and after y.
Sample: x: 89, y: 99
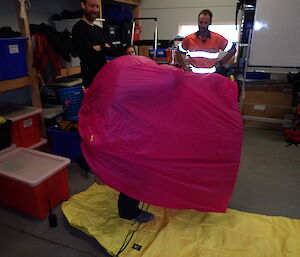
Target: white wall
x: 40, y: 12
x: 170, y: 13
x: 8, y: 14
x: 276, y: 43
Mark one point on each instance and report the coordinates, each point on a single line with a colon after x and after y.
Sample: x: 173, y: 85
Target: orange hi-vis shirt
x: 203, y: 55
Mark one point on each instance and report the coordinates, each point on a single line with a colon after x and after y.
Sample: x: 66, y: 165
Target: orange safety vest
x: 204, y: 54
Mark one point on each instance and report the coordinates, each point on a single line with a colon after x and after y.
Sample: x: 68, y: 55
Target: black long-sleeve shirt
x: 84, y: 37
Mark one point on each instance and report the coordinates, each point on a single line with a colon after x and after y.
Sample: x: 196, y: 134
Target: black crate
x: 5, y: 138
x: 49, y: 94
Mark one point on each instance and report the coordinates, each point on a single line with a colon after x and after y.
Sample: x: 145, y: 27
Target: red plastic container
x: 25, y: 125
x: 29, y: 179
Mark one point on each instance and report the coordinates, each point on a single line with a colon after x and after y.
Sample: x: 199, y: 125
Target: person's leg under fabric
x: 129, y: 209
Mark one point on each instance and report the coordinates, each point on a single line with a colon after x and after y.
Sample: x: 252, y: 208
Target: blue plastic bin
x: 66, y: 144
x: 117, y: 14
x: 12, y: 58
x: 160, y: 52
x: 71, y: 99
x: 257, y: 75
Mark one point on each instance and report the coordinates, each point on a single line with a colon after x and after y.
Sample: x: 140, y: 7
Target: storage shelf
x: 69, y: 71
x: 132, y: 2
x: 11, y: 84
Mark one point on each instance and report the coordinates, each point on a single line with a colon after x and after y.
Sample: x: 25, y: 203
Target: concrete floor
x: 268, y: 183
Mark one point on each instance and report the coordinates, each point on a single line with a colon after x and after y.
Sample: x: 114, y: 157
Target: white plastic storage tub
x: 30, y: 180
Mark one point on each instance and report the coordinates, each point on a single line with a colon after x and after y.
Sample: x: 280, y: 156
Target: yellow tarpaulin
x: 181, y: 233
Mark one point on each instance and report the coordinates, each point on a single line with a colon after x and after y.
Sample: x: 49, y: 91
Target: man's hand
x: 97, y: 48
x: 107, y: 45
x: 218, y: 65
x: 186, y: 68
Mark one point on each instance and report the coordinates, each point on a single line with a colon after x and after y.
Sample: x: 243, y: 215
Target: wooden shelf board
x: 11, y: 84
x: 69, y: 71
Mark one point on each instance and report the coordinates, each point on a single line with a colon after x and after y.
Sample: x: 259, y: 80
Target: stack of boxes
x: 30, y: 181
x: 268, y: 101
x: 63, y: 136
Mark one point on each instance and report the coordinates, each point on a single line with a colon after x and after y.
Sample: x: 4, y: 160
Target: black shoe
x: 143, y: 217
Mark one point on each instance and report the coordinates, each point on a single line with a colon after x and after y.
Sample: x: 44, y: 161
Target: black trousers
x: 88, y: 75
x: 128, y: 207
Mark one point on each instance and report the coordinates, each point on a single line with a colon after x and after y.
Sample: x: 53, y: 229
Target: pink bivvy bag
x: 163, y: 136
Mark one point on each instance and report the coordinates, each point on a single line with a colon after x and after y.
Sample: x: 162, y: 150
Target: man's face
x: 203, y: 22
x: 91, y: 9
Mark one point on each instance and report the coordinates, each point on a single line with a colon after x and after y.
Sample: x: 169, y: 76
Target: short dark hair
x: 206, y: 12
x: 127, y: 47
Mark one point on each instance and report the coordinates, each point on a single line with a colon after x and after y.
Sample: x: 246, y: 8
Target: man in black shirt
x: 92, y: 45
x: 90, y: 42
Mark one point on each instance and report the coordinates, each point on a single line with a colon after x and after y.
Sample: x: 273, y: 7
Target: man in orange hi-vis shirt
x: 202, y: 47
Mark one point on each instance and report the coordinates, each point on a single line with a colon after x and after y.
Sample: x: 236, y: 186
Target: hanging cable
x: 131, y: 234
x: 125, y: 244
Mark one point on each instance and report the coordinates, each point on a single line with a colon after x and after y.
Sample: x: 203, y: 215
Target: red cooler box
x: 25, y: 126
x: 30, y: 179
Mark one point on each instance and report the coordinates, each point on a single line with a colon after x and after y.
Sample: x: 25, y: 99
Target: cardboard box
x: 267, y: 111
x: 267, y: 100
x: 281, y: 94
x: 144, y: 50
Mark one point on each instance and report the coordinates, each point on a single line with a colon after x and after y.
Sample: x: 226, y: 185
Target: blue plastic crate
x: 116, y: 14
x: 66, y: 144
x: 12, y: 58
x: 71, y: 99
x: 257, y: 75
x: 160, y: 52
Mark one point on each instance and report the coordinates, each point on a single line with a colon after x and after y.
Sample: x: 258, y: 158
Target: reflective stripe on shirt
x: 203, y: 54
x: 203, y: 70
x: 181, y: 49
x: 228, y: 46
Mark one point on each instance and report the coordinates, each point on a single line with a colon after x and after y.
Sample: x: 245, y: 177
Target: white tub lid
x: 7, y: 149
x: 66, y: 82
x: 16, y: 112
x: 30, y: 167
x: 49, y: 113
